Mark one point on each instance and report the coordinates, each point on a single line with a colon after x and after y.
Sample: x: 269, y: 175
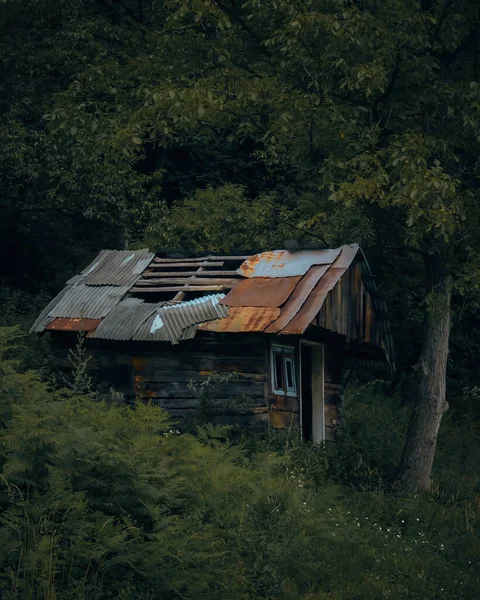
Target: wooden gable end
x: 349, y: 309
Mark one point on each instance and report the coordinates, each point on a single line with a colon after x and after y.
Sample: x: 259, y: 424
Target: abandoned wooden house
x: 285, y: 325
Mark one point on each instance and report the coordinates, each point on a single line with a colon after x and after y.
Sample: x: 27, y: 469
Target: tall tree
x: 370, y: 105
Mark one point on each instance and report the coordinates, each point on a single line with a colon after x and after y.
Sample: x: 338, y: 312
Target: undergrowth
x: 103, y: 501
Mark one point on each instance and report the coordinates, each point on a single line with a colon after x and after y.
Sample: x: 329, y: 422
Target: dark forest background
x: 218, y: 126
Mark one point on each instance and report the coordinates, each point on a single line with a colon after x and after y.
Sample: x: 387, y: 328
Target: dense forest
x: 224, y: 126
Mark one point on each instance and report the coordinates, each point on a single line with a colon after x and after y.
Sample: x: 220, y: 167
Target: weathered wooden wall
x: 166, y: 376
x: 348, y: 309
x: 165, y: 373
x: 334, y: 388
x: 171, y: 375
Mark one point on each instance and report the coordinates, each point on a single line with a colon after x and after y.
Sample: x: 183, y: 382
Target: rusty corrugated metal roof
x: 62, y: 324
x: 245, y: 319
x: 298, y: 297
x: 282, y: 263
x: 261, y: 291
x: 278, y: 292
x: 315, y: 299
x: 134, y: 319
x: 80, y: 302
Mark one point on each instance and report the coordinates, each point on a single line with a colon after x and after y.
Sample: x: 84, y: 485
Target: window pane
x: 288, y: 365
x: 278, y: 370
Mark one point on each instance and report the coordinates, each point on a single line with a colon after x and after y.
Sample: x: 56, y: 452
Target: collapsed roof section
x: 135, y: 295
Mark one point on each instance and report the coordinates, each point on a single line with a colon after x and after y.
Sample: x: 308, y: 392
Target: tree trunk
x: 421, y: 440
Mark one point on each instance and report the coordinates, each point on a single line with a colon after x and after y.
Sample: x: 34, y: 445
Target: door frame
x: 317, y: 347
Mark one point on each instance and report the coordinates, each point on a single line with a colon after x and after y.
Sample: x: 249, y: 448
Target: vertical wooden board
x: 331, y: 415
x: 330, y: 434
x: 285, y: 403
x: 281, y: 419
x: 368, y: 316
x: 361, y: 332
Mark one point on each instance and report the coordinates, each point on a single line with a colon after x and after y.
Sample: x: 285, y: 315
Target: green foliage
x: 101, y: 501
x: 222, y: 220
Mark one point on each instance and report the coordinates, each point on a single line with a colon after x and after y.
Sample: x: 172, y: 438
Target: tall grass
x: 100, y: 501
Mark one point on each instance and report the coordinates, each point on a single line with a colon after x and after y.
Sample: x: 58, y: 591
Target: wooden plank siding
x: 334, y: 388
x: 164, y: 374
x: 348, y: 309
x: 171, y: 376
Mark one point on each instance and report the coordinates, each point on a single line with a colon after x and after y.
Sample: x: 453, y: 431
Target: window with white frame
x: 283, y: 371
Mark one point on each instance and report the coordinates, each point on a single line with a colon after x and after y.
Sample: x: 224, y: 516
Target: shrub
x: 101, y: 501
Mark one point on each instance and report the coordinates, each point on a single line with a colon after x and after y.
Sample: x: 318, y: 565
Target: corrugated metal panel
x: 73, y: 324
x: 124, y: 320
x: 117, y: 267
x: 309, y: 295
x: 171, y: 321
x: 261, y: 291
x: 314, y: 302
x: 83, y: 301
x: 243, y: 319
x: 136, y: 320
x: 298, y: 298
x: 44, y: 317
x: 281, y: 263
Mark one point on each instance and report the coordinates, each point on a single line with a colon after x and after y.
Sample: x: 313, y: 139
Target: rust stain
x: 243, y: 319
x: 331, y: 414
x: 248, y: 267
x: 281, y: 419
x: 314, y: 302
x: 261, y: 291
x: 308, y: 297
x: 298, y: 298
x: 69, y: 324
x: 205, y: 372
x: 139, y: 363
x: 288, y: 403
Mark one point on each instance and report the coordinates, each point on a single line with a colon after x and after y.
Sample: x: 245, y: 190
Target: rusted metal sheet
x: 346, y: 256
x: 198, y: 259
x: 184, y: 288
x: 309, y: 296
x: 298, y: 298
x: 281, y: 263
x: 261, y: 291
x: 44, y: 317
x: 314, y: 302
x: 159, y: 281
x: 152, y: 273
x: 243, y: 319
x: 73, y: 324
